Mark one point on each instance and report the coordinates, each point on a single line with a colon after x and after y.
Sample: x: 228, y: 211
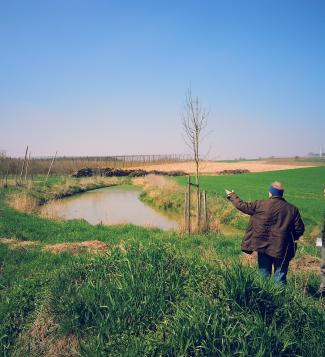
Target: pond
x: 113, y: 205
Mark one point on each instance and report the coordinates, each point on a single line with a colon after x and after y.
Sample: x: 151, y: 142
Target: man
x: 273, y: 228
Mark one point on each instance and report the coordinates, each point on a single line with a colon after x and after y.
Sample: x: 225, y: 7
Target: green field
x: 303, y: 188
x: 153, y: 293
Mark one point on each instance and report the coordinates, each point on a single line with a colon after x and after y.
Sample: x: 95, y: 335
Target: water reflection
x: 113, y: 205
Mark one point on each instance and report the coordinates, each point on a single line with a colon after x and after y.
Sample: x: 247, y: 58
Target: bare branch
x: 194, y: 121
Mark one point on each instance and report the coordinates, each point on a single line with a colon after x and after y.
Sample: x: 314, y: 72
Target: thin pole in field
x: 26, y: 167
x: 189, y: 205
x: 7, y: 173
x: 48, y: 172
x: 22, y: 168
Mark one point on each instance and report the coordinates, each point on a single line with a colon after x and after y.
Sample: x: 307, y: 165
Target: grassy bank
x: 147, y: 293
x: 151, y: 299
x: 30, y: 196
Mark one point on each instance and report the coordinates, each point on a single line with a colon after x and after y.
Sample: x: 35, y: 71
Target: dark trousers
x: 281, y: 266
x: 322, y: 270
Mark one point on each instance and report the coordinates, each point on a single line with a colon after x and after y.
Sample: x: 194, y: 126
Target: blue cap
x: 275, y: 191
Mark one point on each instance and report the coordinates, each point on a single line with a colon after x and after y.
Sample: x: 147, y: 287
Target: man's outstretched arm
x: 245, y: 207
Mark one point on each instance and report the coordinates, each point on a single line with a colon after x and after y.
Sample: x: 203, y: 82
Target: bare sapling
x: 194, y: 120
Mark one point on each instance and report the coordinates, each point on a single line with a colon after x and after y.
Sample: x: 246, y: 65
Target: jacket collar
x: 276, y: 197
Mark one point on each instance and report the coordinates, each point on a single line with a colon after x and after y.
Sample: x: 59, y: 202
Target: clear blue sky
x: 109, y: 77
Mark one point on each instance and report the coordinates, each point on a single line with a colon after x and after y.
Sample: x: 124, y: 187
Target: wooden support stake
x: 205, y: 211
x: 189, y: 205
x: 198, y: 208
x: 185, y: 212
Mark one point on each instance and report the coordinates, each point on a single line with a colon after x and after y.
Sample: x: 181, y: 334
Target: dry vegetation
x: 18, y: 244
x: 24, y: 202
x: 67, y: 165
x: 93, y: 247
x: 64, y: 186
x: 154, y: 182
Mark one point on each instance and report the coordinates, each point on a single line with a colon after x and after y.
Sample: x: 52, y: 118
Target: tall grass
x: 152, y: 300
x: 23, y: 201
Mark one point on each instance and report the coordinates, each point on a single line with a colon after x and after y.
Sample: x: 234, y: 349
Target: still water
x: 113, y: 205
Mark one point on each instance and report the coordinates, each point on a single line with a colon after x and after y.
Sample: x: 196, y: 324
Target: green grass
x: 164, y: 294
x: 153, y: 300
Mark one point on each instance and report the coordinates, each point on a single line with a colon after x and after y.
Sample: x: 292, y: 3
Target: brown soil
x: 92, y: 246
x: 17, y: 244
x: 42, y: 338
x: 209, y: 167
x: 306, y: 264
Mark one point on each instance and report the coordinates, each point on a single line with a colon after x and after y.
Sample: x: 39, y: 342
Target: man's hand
x: 229, y: 192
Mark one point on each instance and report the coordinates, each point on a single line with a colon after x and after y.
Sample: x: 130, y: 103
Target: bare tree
x: 194, y: 119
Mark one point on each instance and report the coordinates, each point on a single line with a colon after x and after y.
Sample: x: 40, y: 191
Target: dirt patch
x: 306, y: 264
x: 92, y: 246
x: 18, y: 244
x: 210, y: 167
x: 66, y: 346
x: 42, y: 339
x: 234, y: 172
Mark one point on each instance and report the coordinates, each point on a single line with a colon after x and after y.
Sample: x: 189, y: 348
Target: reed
x: 24, y: 202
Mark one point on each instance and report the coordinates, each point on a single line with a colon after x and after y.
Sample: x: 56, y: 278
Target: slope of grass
x: 150, y: 299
